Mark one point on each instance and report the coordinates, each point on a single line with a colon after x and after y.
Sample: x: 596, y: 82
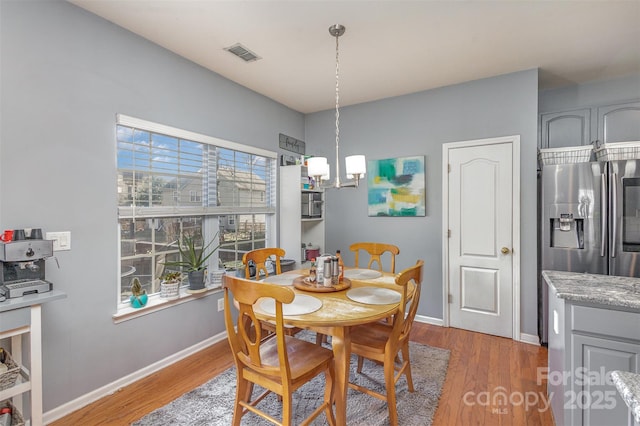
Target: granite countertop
x: 592, y: 288
x: 628, y: 384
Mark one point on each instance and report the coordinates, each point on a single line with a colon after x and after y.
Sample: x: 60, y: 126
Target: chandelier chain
x: 355, y: 164
x: 337, y: 107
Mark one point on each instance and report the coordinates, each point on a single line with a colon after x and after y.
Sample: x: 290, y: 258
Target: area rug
x: 212, y: 403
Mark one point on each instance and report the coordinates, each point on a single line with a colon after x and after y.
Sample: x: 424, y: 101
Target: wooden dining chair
x: 279, y: 363
x: 259, y: 257
x: 385, y: 343
x: 375, y: 251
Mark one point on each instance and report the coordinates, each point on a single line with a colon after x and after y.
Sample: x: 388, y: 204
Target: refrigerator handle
x: 603, y: 214
x: 614, y: 213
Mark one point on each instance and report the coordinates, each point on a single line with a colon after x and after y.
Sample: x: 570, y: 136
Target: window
x: 173, y: 183
x: 195, y: 196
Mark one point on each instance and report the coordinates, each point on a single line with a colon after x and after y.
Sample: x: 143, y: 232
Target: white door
x: 480, y: 220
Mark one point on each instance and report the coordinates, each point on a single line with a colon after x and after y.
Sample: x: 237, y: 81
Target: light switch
x: 61, y: 240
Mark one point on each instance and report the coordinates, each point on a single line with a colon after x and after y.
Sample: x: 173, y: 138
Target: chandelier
x: 355, y: 165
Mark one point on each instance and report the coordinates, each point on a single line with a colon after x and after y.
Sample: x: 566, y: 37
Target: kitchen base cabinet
x: 586, y: 343
x: 594, y: 391
x: 558, y: 361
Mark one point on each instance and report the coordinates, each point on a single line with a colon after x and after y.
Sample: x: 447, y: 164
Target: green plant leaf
x: 193, y: 259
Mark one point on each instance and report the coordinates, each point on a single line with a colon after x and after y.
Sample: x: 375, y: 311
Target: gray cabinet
x: 619, y: 123
x: 587, y: 343
x: 568, y: 128
x: 558, y: 361
x: 577, y: 127
x: 593, y: 396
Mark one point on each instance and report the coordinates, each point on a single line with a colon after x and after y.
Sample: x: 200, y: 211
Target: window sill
x: 157, y: 303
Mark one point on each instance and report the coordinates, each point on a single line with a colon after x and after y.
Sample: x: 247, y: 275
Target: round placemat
x: 282, y: 279
x: 373, y: 295
x: 362, y: 274
x: 302, y: 304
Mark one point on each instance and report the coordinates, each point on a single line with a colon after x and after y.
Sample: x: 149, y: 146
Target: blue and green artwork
x: 397, y: 186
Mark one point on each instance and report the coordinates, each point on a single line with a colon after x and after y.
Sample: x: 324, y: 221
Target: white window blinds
x: 164, y: 171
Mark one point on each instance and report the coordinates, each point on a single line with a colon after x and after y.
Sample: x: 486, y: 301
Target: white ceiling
x: 390, y: 48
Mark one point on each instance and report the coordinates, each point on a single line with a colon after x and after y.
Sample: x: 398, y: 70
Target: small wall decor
x: 291, y: 144
x: 397, y: 186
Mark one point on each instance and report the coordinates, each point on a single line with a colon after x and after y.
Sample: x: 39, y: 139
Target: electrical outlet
x: 220, y: 305
x: 61, y: 240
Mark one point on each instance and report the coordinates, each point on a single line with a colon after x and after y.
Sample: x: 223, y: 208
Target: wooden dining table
x: 335, y: 317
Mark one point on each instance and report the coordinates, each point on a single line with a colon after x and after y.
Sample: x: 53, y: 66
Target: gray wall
x: 418, y: 124
x: 65, y: 73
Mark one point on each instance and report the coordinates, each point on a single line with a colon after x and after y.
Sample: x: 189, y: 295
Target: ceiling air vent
x: 242, y: 52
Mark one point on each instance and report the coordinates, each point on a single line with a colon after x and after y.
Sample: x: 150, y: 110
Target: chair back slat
x: 414, y: 274
x: 376, y: 251
x: 408, y: 305
x: 260, y: 257
x: 246, y: 335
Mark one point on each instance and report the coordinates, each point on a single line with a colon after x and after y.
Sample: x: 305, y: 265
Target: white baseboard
x: 78, y: 403
x: 86, y: 399
x: 429, y: 320
x: 532, y: 339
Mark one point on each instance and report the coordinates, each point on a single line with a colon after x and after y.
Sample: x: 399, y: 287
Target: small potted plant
x: 194, y: 260
x: 138, y: 296
x: 170, y: 285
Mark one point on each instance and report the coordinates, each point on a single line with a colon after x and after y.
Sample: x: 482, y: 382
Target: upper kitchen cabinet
x: 568, y: 128
x: 619, y: 123
x: 605, y: 123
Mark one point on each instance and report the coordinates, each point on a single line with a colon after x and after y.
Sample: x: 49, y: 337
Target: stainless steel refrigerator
x: 590, y: 214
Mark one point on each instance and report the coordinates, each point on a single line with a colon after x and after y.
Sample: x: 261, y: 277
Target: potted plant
x: 138, y: 296
x: 194, y: 260
x: 170, y: 285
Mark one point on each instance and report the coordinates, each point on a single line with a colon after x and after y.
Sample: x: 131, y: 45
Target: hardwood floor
x: 490, y: 381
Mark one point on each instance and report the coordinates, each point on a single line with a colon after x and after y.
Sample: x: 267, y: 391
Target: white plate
x: 361, y: 274
x: 282, y: 279
x: 302, y: 304
x: 373, y: 295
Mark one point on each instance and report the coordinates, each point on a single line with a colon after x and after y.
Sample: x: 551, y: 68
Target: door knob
x: 505, y: 250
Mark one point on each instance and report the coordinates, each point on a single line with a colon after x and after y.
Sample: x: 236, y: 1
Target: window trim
x: 124, y: 311
x: 157, y: 303
x: 126, y: 120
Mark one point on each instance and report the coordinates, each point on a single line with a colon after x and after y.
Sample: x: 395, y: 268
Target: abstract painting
x: 397, y: 186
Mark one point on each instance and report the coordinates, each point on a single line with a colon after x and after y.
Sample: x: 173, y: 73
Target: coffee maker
x: 23, y: 267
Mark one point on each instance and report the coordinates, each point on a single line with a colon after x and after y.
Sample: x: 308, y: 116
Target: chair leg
x: 360, y: 359
x: 286, y: 409
x: 243, y: 393
x: 389, y: 373
x: 407, y: 370
x: 328, y: 395
x: 321, y: 338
